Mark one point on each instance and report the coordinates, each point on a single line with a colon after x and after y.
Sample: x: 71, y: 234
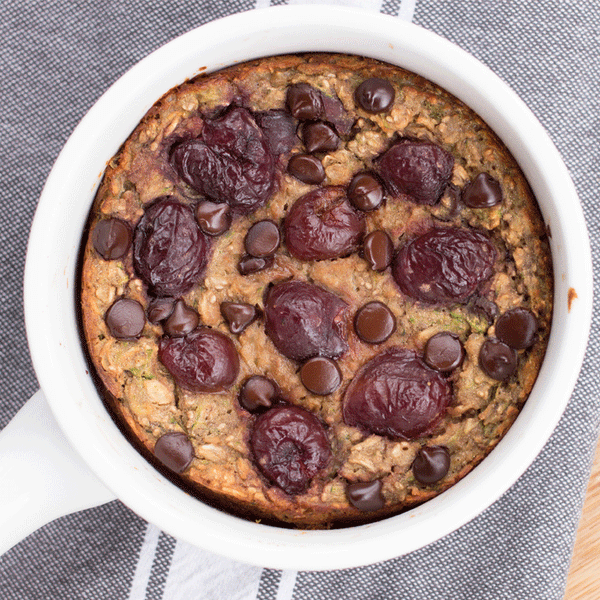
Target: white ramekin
x: 50, y: 280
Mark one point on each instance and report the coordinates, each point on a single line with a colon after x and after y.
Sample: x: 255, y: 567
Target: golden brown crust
x: 148, y: 402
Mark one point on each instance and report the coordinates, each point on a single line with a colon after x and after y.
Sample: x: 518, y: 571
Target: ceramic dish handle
x: 42, y: 476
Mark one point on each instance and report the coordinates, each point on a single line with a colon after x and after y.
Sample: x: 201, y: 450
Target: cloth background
x: 57, y: 58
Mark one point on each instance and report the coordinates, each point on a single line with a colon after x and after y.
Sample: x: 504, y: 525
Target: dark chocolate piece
x: 321, y: 375
x: 125, y: 319
x: 111, y: 238
x: 175, y: 451
x: 366, y: 496
x: 444, y: 351
x: 431, y: 464
x: 374, y: 322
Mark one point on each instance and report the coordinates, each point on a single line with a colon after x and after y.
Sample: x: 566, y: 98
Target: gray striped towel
x: 57, y: 59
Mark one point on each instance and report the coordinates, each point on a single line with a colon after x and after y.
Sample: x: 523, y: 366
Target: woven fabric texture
x: 57, y: 60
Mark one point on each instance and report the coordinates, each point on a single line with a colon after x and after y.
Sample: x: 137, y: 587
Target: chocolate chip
x: 378, y: 250
x: 431, y: 464
x: 497, y: 360
x: 374, y: 322
x: 319, y: 137
x: 111, y: 238
x: 262, y: 239
x: 365, y: 191
x: 238, y: 315
x: 517, y: 328
x: 485, y: 307
x: 250, y: 264
x: 175, y: 451
x: 375, y: 95
x: 483, y: 192
x: 443, y: 351
x: 304, y: 102
x: 366, y: 496
x: 258, y: 393
x: 125, y: 319
x: 321, y: 375
x: 182, y: 320
x: 213, y: 218
x: 159, y: 309
x: 306, y: 168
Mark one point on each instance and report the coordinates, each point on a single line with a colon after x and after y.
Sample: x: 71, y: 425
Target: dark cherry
x: 497, y: 360
x: 290, y: 446
x: 378, y: 250
x: 397, y: 395
x: 263, y: 239
x: 238, y: 315
x: 483, y: 192
x: 125, y: 319
x: 431, y: 464
x: 375, y: 95
x: 321, y: 375
x: 170, y: 252
x: 205, y: 360
x: 304, y: 320
x: 374, y: 322
x: 444, y: 351
x: 365, y: 191
x: 111, y: 238
x: 182, y: 320
x: 517, y: 328
x: 230, y: 161
x: 304, y: 102
x: 366, y: 496
x: 319, y: 137
x: 306, y: 168
x: 213, y: 218
x: 323, y: 225
x: 444, y: 265
x: 175, y: 451
x: 258, y: 393
x: 159, y: 309
x: 280, y: 129
x: 418, y: 169
x: 251, y: 264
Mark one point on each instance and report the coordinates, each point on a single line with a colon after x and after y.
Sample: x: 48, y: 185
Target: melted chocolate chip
x: 175, y: 451
x: 159, y: 309
x: 375, y: 95
x: 483, y: 192
x: 111, y: 238
x: 213, y: 218
x: 250, y: 264
x: 262, y: 239
x: 304, y: 102
x: 378, y: 250
x: 497, y: 360
x: 366, y: 496
x: 125, y: 319
x: 238, y: 315
x: 517, y: 328
x: 374, y: 322
x: 258, y: 393
x: 444, y: 352
x: 365, y: 191
x: 321, y: 375
x: 319, y: 137
x: 306, y: 168
x: 431, y: 464
x: 485, y: 307
x: 182, y: 320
